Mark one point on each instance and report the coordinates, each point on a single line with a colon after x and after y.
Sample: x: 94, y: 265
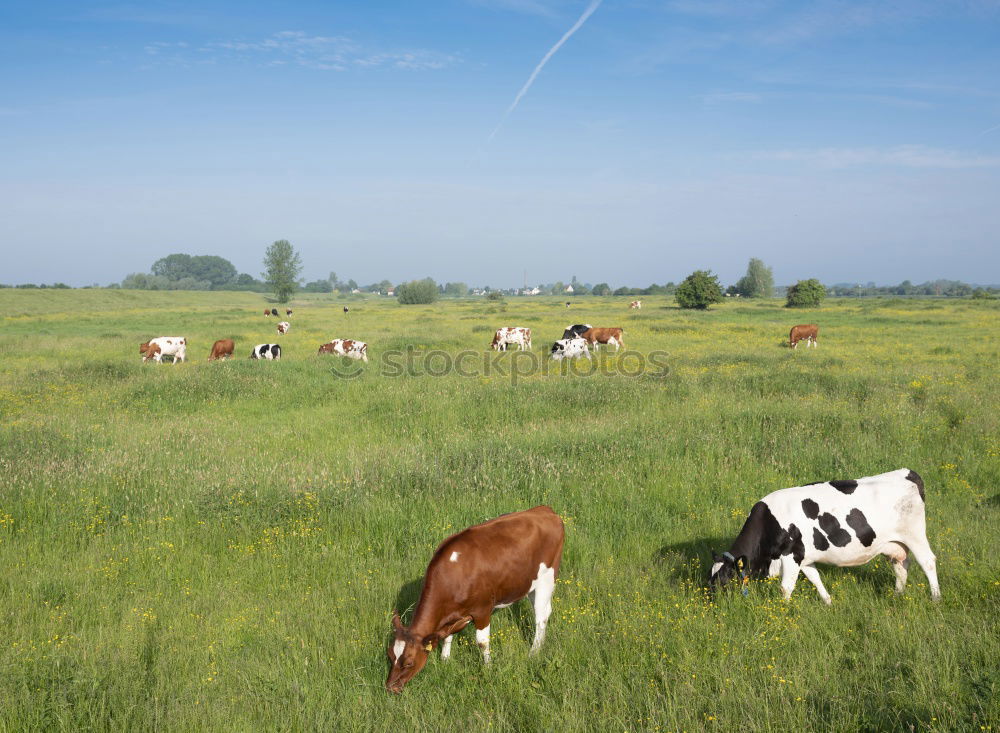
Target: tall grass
x: 220, y: 545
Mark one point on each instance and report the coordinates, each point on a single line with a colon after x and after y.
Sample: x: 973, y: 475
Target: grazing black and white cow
x: 569, y: 349
x: 266, y: 351
x: 579, y: 329
x: 843, y: 523
x: 274, y: 311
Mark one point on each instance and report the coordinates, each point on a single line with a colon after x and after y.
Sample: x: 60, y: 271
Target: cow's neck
x: 756, y: 538
x: 432, y: 616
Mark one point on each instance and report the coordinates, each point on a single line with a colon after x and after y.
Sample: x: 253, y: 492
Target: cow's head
x: 143, y: 347
x: 407, y: 655
x: 725, y: 568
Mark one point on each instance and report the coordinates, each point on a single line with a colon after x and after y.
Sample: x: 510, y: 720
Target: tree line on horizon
x: 283, y: 266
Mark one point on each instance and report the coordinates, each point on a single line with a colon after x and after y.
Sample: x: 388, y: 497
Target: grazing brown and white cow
x: 346, y: 347
x: 609, y: 336
x: 284, y: 327
x: 635, y: 304
x: 807, y: 332
x: 222, y: 349
x: 504, y: 337
x: 491, y: 565
x: 156, y: 349
x: 288, y: 312
x: 266, y: 313
x: 844, y: 523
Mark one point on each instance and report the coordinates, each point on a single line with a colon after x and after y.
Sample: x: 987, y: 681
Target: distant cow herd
x: 577, y: 342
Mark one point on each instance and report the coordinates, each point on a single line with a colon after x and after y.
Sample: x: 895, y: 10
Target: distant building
x: 568, y: 289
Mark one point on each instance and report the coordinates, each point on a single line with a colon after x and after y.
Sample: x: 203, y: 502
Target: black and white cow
x: 570, y: 349
x: 266, y: 351
x: 843, y: 523
x: 572, y: 332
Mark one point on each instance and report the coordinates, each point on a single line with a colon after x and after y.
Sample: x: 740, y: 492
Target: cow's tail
x: 914, y: 478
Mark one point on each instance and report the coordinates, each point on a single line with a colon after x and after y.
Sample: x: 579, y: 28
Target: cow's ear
x: 716, y: 557
x: 397, y: 624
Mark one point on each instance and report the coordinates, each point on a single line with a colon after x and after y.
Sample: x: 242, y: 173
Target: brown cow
x: 609, y: 336
x: 635, y: 304
x: 806, y: 331
x: 222, y: 349
x: 266, y: 312
x: 488, y: 566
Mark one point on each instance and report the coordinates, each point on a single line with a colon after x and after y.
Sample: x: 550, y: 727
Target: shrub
x: 806, y: 294
x: 494, y: 295
x: 417, y: 292
x: 699, y: 290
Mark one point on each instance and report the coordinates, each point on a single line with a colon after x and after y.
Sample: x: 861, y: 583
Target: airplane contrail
x: 531, y: 79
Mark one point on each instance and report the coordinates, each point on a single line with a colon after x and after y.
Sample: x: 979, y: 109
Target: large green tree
x: 758, y: 282
x: 699, y: 290
x: 217, y: 271
x: 282, y: 266
x: 173, y: 267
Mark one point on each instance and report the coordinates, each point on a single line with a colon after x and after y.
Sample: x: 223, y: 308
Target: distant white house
x: 531, y: 291
x: 568, y: 289
x: 391, y: 292
x: 355, y: 291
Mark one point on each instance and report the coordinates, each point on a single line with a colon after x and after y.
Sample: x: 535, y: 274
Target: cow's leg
x: 812, y: 574
x: 795, y: 344
x: 483, y: 640
x: 789, y: 574
x: 545, y: 585
x: 928, y: 563
x: 446, y: 647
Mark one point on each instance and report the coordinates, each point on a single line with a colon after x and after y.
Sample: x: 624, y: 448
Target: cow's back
x: 891, y: 504
x: 503, y: 554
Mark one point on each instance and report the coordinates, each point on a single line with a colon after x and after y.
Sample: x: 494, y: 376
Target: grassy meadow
x: 219, y: 546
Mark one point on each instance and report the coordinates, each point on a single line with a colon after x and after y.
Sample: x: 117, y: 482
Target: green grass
x: 219, y: 546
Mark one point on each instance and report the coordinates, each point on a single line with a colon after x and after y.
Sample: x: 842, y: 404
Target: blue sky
x: 850, y: 141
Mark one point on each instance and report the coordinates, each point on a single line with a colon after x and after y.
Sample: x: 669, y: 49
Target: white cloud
x: 906, y: 156
x: 297, y: 48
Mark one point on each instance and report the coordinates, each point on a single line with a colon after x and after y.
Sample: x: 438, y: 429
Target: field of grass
x: 220, y: 546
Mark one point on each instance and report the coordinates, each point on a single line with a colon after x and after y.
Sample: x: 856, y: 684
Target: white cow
x: 520, y: 337
x: 346, y: 347
x: 844, y: 523
x: 156, y: 349
x: 570, y: 349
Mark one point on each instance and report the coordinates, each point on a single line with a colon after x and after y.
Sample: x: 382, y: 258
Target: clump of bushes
x: 417, y: 292
x: 699, y: 290
x: 806, y: 294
